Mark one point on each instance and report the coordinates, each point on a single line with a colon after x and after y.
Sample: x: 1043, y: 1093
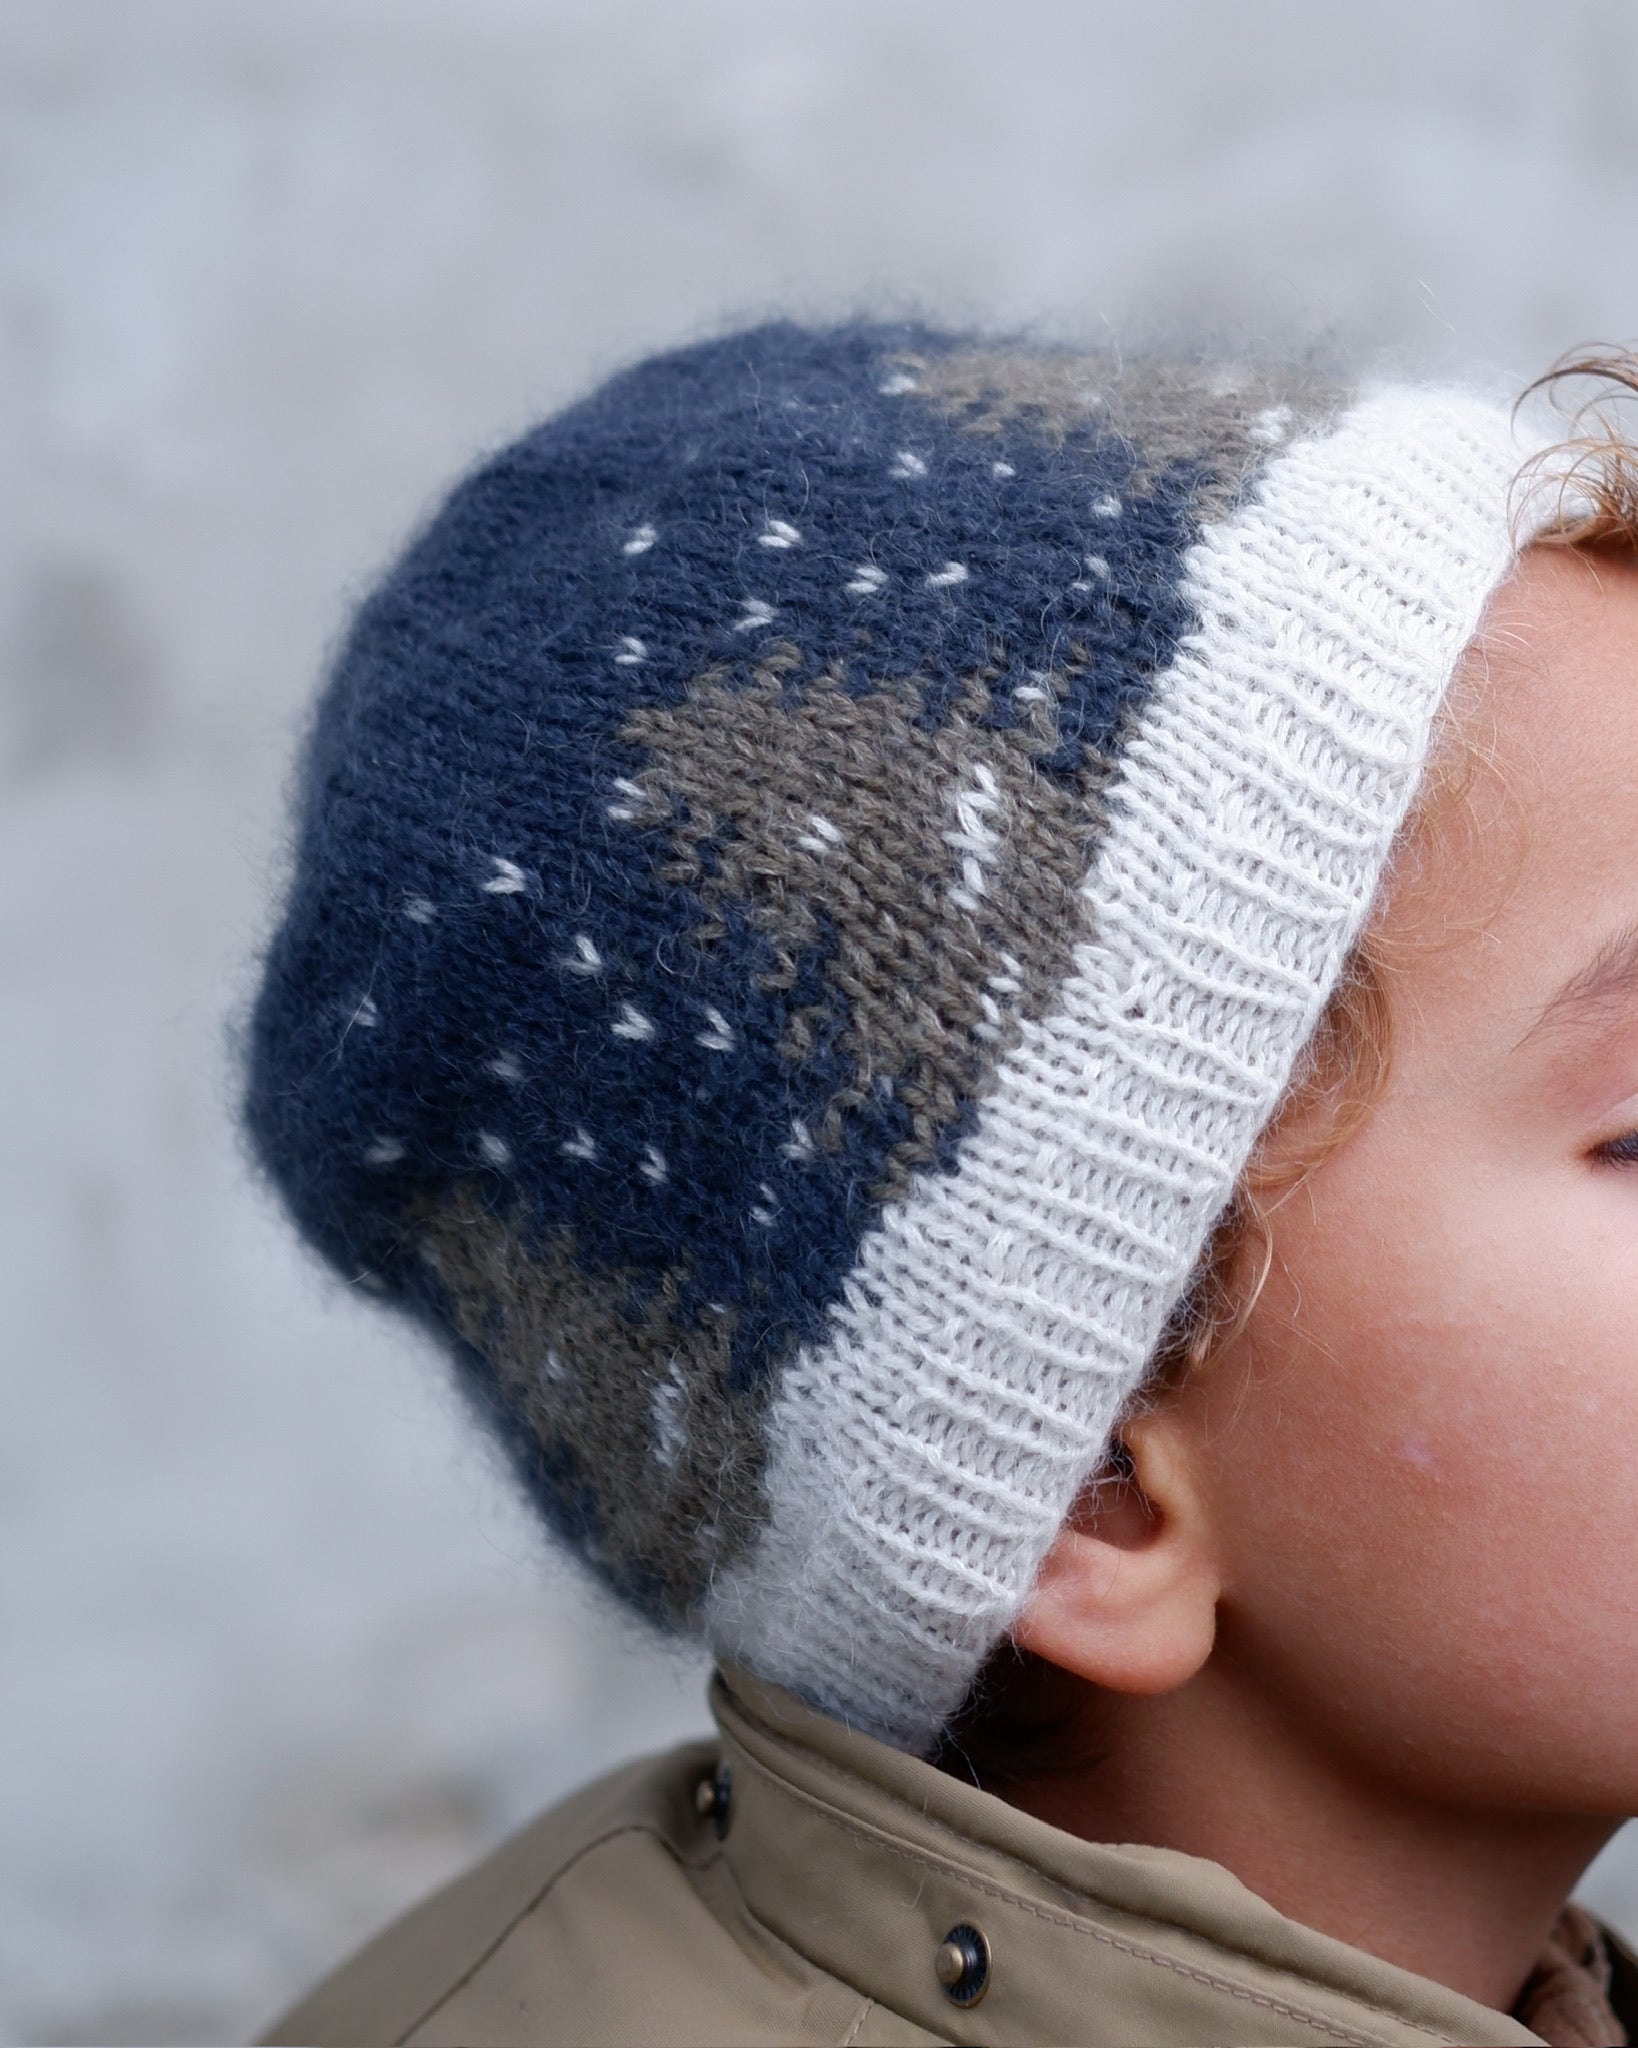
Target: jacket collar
x: 864, y: 1859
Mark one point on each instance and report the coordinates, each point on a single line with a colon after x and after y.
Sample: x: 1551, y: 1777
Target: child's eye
x: 1621, y: 1151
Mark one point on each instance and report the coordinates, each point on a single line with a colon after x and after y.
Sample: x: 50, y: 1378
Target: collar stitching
x: 852, y: 2033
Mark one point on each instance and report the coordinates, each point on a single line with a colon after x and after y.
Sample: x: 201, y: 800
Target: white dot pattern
x: 507, y: 880
x: 718, y: 1035
x: 632, y: 1023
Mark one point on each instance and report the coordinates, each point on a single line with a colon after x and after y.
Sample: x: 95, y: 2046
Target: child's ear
x: 1127, y: 1596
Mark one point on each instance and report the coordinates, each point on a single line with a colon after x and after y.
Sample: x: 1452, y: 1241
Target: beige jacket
x: 815, y: 1902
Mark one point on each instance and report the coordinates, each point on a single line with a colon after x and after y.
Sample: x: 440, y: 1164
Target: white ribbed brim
x: 925, y: 1452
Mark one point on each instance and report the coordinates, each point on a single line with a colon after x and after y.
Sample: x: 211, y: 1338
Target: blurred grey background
x: 277, y: 1651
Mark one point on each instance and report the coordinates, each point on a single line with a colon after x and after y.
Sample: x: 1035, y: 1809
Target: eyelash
x: 1621, y: 1151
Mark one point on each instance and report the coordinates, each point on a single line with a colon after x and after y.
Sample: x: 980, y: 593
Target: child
x: 992, y: 997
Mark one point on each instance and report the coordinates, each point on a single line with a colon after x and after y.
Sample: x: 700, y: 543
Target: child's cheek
x: 1424, y: 1457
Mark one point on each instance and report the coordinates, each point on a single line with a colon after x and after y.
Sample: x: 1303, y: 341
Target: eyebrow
x: 1609, y: 980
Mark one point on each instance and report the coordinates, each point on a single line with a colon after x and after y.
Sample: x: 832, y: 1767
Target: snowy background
x: 277, y: 1652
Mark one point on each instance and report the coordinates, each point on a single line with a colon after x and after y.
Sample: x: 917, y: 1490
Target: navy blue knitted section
x: 493, y: 971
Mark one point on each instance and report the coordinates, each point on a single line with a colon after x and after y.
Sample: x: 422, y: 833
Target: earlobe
x: 1127, y: 1595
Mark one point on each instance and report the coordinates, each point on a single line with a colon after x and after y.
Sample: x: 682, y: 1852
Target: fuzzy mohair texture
x: 810, y: 875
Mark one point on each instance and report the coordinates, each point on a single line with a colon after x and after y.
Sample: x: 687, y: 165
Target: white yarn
x: 666, y: 1412
x: 507, y: 880
x: 824, y: 836
x: 633, y: 1024
x: 718, y: 1035
x: 926, y: 1450
x: 976, y: 838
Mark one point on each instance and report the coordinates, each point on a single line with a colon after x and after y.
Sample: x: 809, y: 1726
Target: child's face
x: 1422, y: 1455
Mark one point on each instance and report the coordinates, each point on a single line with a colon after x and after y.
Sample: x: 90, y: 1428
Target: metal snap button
x: 711, y: 1798
x: 962, y: 1964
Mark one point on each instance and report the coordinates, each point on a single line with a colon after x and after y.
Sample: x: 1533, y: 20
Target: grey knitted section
x: 1225, y: 416
x: 935, y: 863
x: 612, y: 1380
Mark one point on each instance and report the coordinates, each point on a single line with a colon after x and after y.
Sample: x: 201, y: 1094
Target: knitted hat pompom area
x: 810, y: 875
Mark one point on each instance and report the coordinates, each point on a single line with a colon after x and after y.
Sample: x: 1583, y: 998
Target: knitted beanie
x: 810, y: 876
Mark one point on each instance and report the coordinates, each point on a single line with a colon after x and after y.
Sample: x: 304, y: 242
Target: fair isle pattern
x: 692, y: 822
x: 938, y: 921
x: 810, y: 874
x: 927, y: 1452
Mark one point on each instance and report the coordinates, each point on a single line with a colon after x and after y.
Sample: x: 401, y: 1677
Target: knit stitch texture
x: 810, y: 875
